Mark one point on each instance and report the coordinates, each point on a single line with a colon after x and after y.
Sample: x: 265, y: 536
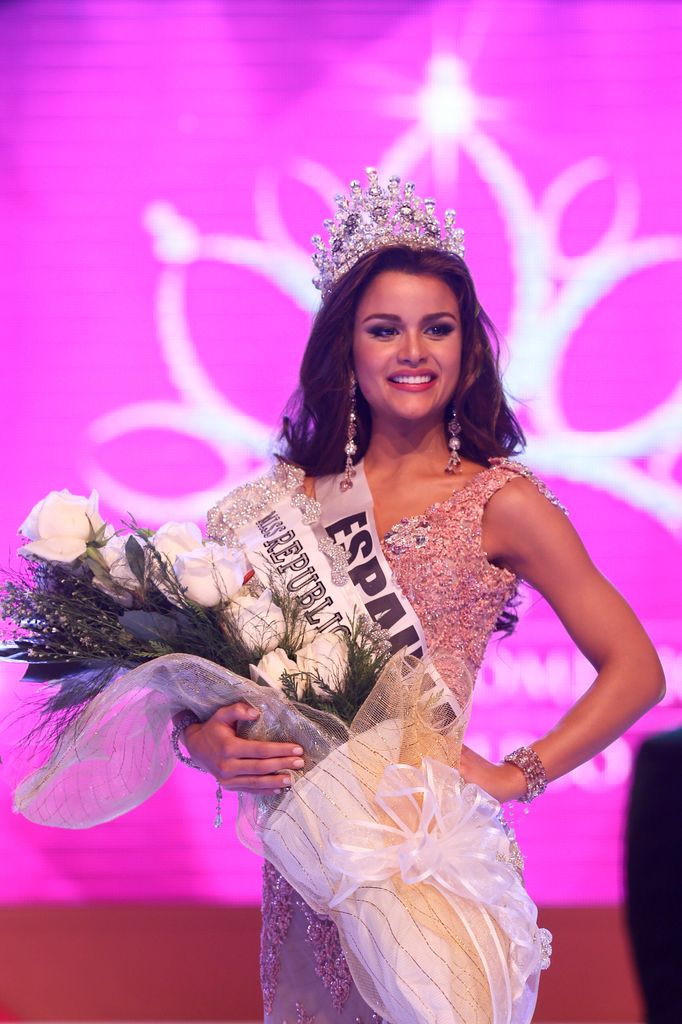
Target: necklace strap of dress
x: 503, y: 470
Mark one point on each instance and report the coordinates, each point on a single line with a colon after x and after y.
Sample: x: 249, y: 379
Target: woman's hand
x: 502, y: 781
x: 255, y: 766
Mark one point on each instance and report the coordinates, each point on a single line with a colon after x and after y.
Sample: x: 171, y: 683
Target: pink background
x: 163, y: 166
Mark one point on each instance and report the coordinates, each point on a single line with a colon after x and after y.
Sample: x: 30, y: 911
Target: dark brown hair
x: 314, y: 427
x: 313, y: 434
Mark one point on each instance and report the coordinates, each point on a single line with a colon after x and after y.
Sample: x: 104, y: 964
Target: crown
x: 376, y: 217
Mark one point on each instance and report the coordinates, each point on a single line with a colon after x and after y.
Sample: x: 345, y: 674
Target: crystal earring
x: 351, y: 447
x: 454, y: 430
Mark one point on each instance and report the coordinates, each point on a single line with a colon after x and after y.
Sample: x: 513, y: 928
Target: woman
x: 399, y: 389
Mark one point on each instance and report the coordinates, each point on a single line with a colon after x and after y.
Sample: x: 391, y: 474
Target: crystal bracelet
x: 184, y: 719
x: 526, y: 759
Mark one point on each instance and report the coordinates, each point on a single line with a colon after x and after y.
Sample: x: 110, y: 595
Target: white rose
x: 61, y: 525
x: 273, y: 666
x: 326, y: 656
x: 211, y: 573
x: 173, y: 539
x: 259, y: 620
x: 114, y: 556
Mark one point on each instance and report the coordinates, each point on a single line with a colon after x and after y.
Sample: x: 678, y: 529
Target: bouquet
x: 95, y: 601
x: 378, y: 830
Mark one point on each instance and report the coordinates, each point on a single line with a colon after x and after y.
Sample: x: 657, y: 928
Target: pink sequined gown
x: 458, y: 595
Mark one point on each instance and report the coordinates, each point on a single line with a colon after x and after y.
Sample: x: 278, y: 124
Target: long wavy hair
x: 315, y: 422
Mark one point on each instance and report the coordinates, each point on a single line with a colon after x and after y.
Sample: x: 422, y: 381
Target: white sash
x: 348, y: 518
x: 281, y: 543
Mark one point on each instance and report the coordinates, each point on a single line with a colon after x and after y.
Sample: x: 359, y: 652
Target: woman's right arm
x: 255, y: 766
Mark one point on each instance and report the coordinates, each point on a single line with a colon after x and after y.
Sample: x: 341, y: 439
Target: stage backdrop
x: 163, y: 166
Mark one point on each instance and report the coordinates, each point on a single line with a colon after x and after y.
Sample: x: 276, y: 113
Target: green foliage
x: 78, y: 628
x: 136, y: 559
x: 368, y: 652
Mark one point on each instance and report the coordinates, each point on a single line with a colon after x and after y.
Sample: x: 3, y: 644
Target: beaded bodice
x: 439, y: 562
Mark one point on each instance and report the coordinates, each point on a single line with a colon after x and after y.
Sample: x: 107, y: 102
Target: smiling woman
x: 400, y: 386
x: 393, y: 885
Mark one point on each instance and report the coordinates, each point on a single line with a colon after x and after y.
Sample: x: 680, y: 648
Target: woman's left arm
x: 534, y: 539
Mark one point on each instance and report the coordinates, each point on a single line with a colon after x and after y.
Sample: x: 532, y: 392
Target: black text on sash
x: 286, y: 556
x: 382, y: 603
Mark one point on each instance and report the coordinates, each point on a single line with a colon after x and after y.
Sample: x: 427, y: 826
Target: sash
x: 281, y: 543
x: 326, y: 551
x: 347, y: 517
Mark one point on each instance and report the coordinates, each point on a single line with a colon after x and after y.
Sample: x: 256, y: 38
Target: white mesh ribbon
x: 413, y: 865
x: 118, y: 751
x: 378, y: 831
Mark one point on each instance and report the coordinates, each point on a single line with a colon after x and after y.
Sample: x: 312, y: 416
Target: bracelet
x: 527, y: 760
x: 184, y: 719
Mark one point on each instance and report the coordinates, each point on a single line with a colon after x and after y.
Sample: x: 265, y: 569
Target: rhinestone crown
x: 376, y: 217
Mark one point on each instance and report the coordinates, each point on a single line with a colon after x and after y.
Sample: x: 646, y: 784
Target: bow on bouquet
x: 378, y: 830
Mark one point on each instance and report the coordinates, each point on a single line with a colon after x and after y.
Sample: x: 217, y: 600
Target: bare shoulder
x: 523, y: 495
x: 524, y: 522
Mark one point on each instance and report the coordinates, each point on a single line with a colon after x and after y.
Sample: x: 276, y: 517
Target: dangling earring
x: 454, y: 430
x: 351, y: 447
